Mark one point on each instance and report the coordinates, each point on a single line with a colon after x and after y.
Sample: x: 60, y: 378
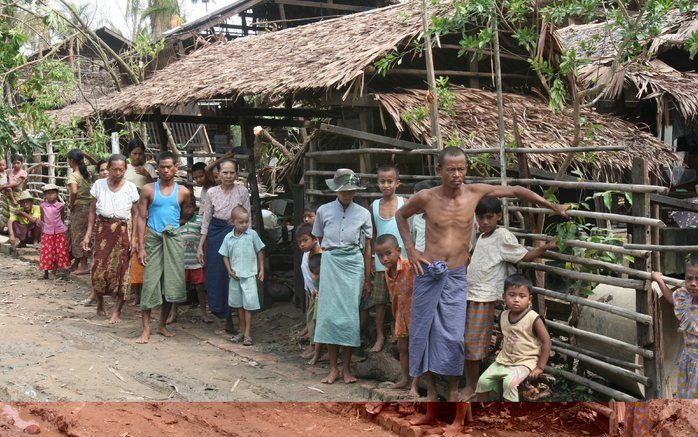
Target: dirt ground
x: 54, y: 349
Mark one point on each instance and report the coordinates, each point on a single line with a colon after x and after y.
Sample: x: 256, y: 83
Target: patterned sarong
x: 217, y: 279
x: 688, y: 374
x: 637, y: 419
x: 341, y: 279
x: 110, y: 269
x: 54, y: 252
x: 438, y: 321
x: 78, y: 227
x: 479, y: 324
x: 163, y: 274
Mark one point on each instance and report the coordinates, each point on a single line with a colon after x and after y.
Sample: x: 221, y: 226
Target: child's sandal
x: 237, y: 338
x: 247, y: 341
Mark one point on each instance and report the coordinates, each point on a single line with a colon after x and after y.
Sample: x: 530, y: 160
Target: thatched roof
x: 326, y: 55
x: 651, y: 77
x: 474, y: 124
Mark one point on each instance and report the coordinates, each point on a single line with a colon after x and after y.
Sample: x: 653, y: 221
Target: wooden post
x: 431, y: 80
x: 500, y: 117
x: 646, y: 301
x: 162, y: 135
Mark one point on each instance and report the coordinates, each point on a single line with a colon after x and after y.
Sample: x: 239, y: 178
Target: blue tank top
x: 384, y: 226
x: 164, y: 210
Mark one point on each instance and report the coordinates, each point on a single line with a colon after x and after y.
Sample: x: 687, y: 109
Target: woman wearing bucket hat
x: 25, y: 222
x: 344, y: 229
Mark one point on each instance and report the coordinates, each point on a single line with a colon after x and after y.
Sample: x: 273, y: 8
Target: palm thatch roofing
x: 321, y: 56
x: 652, y: 78
x: 473, y: 124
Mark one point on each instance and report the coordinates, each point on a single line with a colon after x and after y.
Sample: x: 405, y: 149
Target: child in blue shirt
x: 244, y: 260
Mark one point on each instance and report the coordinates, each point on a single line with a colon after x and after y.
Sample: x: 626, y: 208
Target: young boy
x: 399, y: 277
x: 495, y: 252
x: 309, y: 214
x: 418, y: 221
x: 309, y: 245
x: 25, y: 222
x: 244, y: 260
x: 525, y: 347
x: 193, y: 270
x: 383, y: 215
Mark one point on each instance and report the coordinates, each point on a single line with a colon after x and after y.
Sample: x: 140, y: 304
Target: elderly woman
x: 215, y: 225
x: 345, y: 230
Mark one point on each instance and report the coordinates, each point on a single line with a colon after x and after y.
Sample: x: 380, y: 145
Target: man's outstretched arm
x: 523, y: 194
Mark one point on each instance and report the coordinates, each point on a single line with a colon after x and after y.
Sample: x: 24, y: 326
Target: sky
x: 112, y: 11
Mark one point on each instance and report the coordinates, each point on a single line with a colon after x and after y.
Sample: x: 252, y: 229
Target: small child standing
x: 399, y: 278
x: 193, y: 270
x: 685, y: 301
x: 309, y: 245
x: 495, y: 252
x: 383, y: 213
x: 54, y: 244
x: 525, y: 347
x: 309, y: 214
x: 314, y: 263
x: 243, y: 258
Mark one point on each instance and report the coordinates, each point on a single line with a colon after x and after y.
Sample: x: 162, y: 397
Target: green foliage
x: 388, y: 61
x: 692, y: 44
x: 415, y: 115
x: 445, y: 97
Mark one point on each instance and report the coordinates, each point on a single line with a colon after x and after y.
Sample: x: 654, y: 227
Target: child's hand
x: 142, y: 257
x: 86, y: 244
x: 232, y: 274
x: 535, y: 373
x: 260, y: 276
x: 200, y: 256
x: 657, y: 277
x: 14, y: 240
x: 367, y: 289
x: 551, y: 245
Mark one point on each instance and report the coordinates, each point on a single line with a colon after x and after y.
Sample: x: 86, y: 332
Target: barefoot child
x: 54, y: 244
x: 244, y: 260
x: 193, y: 270
x: 383, y: 215
x: 525, y: 347
x: 309, y: 245
x: 399, y: 278
x: 345, y: 231
x: 25, y: 222
x: 314, y: 263
x: 495, y: 252
x: 685, y: 302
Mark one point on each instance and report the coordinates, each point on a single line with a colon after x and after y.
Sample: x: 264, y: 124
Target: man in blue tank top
x: 160, y: 247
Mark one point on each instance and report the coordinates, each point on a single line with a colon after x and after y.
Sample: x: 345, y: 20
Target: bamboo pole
x: 587, y: 245
x: 589, y: 185
x: 582, y: 276
x: 600, y: 338
x: 466, y: 151
x: 500, y: 118
x: 661, y: 248
x: 612, y: 393
x: 606, y: 366
x: 622, y: 312
x: 617, y: 362
x: 617, y: 268
x: 431, y: 80
x: 597, y: 215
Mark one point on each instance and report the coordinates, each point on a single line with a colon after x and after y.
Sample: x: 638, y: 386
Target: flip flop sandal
x: 247, y: 341
x: 237, y: 338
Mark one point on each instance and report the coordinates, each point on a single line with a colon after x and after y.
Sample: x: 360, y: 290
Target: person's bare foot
x: 349, y: 378
x: 378, y: 346
x: 402, y: 383
x: 221, y: 331
x: 145, y: 337
x: 454, y: 430
x: 374, y: 407
x: 81, y: 271
x: 422, y: 419
x: 452, y: 395
x: 413, y: 392
x: 331, y: 377
x: 308, y: 352
x: 324, y: 357
x: 206, y: 318
x: 135, y: 303
x: 406, y: 409
x: 172, y: 318
x: 313, y: 360
x: 162, y: 330
x: 100, y: 309
x: 114, y: 319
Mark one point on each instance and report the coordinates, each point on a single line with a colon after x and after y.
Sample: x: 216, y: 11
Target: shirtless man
x: 437, y: 328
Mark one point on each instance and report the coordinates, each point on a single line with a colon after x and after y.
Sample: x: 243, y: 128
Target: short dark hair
x: 198, y: 166
x: 387, y: 238
x: 451, y: 151
x: 18, y: 157
x: 314, y: 262
x: 232, y: 161
x: 518, y: 280
x: 424, y: 185
x: 99, y: 164
x: 115, y: 158
x: 163, y: 156
x: 310, y: 208
x: 135, y: 143
x: 239, y: 209
x: 305, y: 229
x: 388, y: 167
x: 488, y: 205
x: 691, y: 261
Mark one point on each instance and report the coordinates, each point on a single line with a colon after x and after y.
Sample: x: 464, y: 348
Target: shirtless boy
x: 436, y: 331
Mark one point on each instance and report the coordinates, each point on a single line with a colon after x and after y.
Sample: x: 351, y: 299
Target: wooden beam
x: 618, y: 311
x: 662, y: 248
x: 454, y: 73
x: 587, y: 245
x: 589, y: 185
x: 617, y: 370
x: 612, y: 393
x: 323, y: 5
x: 639, y: 220
x: 223, y: 120
x: 608, y: 341
x: 366, y: 136
x: 676, y: 203
x: 159, y: 129
x: 582, y: 276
